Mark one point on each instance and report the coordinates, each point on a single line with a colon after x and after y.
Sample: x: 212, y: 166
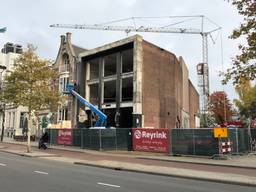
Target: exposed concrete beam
x: 110, y: 46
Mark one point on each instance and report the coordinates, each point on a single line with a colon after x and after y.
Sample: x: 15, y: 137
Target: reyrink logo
x: 64, y: 133
x: 137, y: 134
x: 150, y: 135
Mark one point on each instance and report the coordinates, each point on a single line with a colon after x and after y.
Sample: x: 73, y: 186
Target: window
x: 66, y: 62
x: 127, y: 61
x: 94, y: 68
x: 63, y: 82
x: 22, y: 119
x: 94, y: 93
x: 63, y: 114
x: 110, y: 91
x: 127, y: 89
x: 110, y: 65
x: 13, y: 119
x: 10, y: 118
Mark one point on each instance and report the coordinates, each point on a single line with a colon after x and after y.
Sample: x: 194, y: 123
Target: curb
x: 11, y: 152
x: 38, y: 156
x: 116, y: 168
x: 198, y: 163
x: 29, y: 154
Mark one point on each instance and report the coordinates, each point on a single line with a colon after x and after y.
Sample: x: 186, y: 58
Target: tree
x: 29, y: 84
x: 247, y: 99
x: 221, y: 107
x: 244, y: 64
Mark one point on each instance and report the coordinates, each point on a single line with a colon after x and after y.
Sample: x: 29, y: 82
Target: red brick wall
x: 161, y: 87
x: 193, y: 104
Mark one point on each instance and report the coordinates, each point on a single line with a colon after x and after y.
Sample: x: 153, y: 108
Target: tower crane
x: 202, y: 68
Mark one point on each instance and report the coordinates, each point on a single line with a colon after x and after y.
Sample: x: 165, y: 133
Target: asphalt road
x: 23, y: 174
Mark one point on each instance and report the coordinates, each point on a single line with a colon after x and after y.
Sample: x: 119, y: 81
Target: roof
x: 78, y: 49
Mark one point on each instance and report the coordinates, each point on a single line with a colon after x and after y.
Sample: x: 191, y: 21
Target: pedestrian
x: 43, y: 140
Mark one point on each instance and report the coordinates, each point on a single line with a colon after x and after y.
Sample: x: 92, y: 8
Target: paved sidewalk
x: 245, y: 161
x: 146, y: 162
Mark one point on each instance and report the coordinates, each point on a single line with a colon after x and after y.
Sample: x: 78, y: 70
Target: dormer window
x: 66, y: 62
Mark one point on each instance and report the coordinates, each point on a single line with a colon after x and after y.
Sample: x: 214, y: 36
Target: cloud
x: 28, y: 22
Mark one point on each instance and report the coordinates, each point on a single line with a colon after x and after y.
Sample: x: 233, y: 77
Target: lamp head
x: 2, y: 67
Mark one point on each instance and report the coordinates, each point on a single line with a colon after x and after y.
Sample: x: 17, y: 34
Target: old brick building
x: 66, y: 65
x: 137, y: 84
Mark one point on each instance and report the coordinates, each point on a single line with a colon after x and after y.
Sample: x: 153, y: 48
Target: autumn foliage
x: 220, y: 107
x: 244, y: 63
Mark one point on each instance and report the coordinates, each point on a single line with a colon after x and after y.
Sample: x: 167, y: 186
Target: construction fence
x: 95, y: 139
x: 170, y: 141
x: 203, y: 142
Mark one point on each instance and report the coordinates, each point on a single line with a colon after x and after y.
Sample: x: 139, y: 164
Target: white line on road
x: 106, y: 184
x: 2, y: 164
x: 41, y: 172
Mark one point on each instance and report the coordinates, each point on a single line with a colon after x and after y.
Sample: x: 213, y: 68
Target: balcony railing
x: 64, y: 68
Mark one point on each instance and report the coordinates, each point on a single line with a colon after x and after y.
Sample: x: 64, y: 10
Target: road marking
x: 41, y: 172
x: 2, y: 164
x: 106, y: 184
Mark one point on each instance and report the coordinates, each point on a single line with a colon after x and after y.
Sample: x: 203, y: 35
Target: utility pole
x: 2, y: 68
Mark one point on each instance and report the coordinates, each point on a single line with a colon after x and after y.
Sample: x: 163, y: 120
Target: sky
x: 28, y: 21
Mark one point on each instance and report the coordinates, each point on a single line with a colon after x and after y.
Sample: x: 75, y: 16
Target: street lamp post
x: 2, y: 68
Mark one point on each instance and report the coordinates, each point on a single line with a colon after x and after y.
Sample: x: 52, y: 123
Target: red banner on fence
x: 153, y: 140
x: 65, y: 137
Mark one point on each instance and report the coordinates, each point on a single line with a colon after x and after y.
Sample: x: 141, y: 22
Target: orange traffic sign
x: 220, y: 132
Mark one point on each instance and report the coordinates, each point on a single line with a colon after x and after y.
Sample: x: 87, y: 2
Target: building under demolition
x: 135, y: 83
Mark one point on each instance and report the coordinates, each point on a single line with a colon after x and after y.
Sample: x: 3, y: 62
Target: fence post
x: 237, y: 151
x: 220, y: 147
x: 50, y: 137
x: 90, y: 144
x: 116, y: 138
x: 82, y: 139
x: 100, y: 140
x: 170, y: 141
x: 194, y: 143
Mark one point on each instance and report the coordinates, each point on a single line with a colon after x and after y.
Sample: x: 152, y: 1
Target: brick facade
x: 162, y: 87
x: 163, y: 96
x: 193, y: 106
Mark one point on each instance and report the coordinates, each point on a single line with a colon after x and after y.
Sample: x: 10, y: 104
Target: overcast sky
x: 28, y: 21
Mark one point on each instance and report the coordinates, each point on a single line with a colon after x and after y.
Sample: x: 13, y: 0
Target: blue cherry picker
x: 102, y: 118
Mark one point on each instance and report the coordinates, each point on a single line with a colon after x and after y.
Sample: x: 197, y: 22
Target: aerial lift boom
x: 101, y: 122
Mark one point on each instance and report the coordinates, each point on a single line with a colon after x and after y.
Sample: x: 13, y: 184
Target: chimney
x: 68, y: 35
x: 62, y: 39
